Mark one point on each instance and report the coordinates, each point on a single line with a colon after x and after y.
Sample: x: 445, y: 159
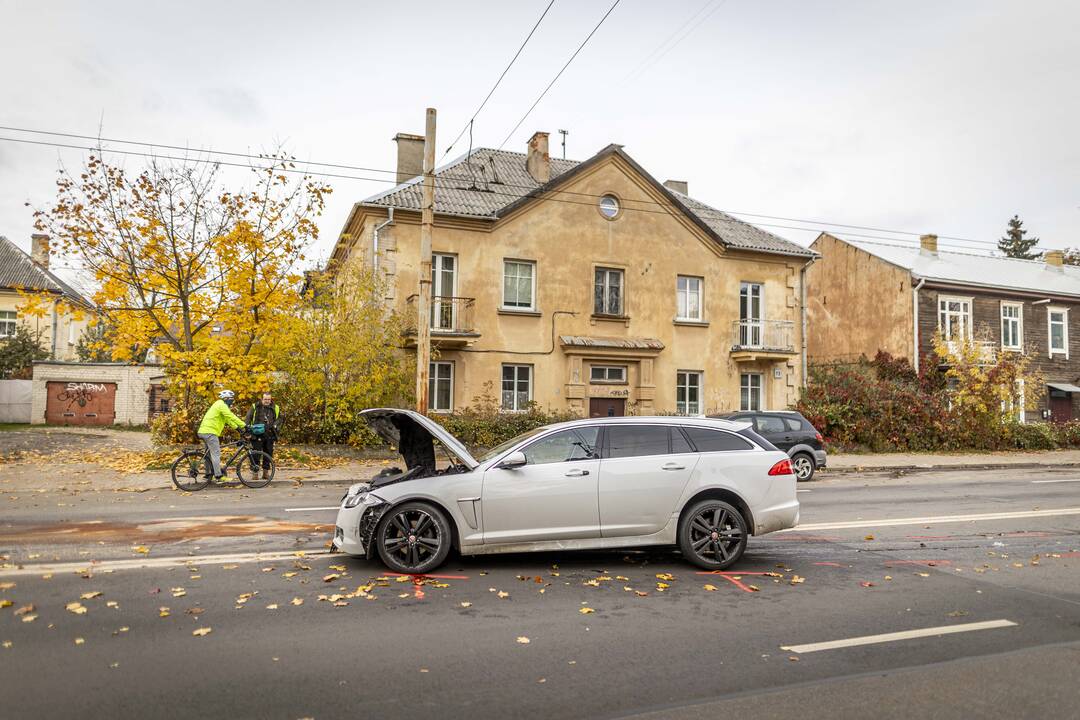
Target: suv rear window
x: 793, y: 424
x: 706, y: 440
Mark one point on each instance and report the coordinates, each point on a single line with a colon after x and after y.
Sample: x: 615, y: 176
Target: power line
x: 688, y: 33
x: 559, y: 74
x: 496, y: 85
x: 445, y: 175
x: 665, y: 209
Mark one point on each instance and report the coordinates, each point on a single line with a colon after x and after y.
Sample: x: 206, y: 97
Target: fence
x: 15, y: 400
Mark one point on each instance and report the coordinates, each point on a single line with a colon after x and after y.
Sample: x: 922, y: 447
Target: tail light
x: 819, y: 438
x: 781, y: 468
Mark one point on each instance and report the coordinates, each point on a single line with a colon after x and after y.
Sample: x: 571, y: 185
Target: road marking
x: 799, y: 491
x: 313, y: 509
x: 893, y: 637
x: 142, y: 563
x: 933, y: 520
x: 1045, y: 482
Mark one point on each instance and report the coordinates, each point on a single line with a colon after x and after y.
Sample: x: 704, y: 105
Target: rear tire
x: 712, y: 534
x: 187, y: 471
x: 413, y: 538
x: 803, y: 466
x: 254, y: 478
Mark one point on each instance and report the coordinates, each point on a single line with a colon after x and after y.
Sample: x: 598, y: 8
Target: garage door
x: 80, y: 403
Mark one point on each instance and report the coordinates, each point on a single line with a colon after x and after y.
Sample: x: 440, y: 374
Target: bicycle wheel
x: 254, y: 478
x: 187, y: 471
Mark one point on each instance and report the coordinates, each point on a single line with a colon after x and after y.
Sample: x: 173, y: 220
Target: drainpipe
x: 802, y: 315
x: 55, y: 322
x: 375, y: 239
x: 915, y: 323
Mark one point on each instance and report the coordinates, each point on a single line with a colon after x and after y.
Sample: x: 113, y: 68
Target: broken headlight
x: 367, y: 499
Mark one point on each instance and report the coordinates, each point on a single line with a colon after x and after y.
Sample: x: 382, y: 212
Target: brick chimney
x: 410, y: 156
x: 679, y: 186
x: 39, y: 249
x: 1055, y: 259
x: 538, y: 162
x: 928, y: 244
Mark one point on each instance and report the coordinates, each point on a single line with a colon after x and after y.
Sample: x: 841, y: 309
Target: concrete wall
x: 132, y: 386
x: 69, y: 326
x: 857, y: 304
x: 15, y: 401
x: 568, y: 241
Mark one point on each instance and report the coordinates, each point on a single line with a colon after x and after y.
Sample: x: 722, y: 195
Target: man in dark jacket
x: 267, y: 414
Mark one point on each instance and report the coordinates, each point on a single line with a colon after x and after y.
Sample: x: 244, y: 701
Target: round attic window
x: 609, y: 206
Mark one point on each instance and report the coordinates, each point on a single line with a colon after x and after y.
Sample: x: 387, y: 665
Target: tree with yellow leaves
x: 199, y: 273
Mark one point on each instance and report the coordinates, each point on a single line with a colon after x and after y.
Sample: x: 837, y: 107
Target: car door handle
x: 672, y: 466
x: 577, y: 473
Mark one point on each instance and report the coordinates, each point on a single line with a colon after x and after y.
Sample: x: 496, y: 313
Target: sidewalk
x: 952, y: 461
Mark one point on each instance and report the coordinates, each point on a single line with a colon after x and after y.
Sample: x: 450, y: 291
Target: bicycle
x: 192, y: 470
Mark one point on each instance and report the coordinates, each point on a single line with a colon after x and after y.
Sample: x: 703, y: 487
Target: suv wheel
x: 803, y: 465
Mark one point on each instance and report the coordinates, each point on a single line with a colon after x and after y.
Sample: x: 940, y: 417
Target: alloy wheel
x: 412, y: 537
x: 715, y: 534
x: 802, y: 466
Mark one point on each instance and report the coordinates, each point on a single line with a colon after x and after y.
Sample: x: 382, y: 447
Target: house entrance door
x: 607, y: 407
x: 1060, y: 406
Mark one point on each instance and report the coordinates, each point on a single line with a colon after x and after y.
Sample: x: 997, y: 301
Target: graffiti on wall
x: 81, y: 394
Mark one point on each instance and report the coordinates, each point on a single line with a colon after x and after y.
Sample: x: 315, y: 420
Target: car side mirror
x: 515, y: 459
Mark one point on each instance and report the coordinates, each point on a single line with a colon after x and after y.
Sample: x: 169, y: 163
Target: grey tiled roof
x: 485, y: 183
x: 18, y: 271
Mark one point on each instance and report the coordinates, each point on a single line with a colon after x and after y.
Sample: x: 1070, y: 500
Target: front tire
x: 803, y: 466
x: 712, y: 535
x: 413, y: 538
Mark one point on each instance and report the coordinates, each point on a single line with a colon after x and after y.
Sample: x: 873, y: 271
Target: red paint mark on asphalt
x: 829, y: 564
x: 1069, y: 554
x: 928, y: 563
x: 418, y: 587
x: 733, y: 577
x: 437, y: 577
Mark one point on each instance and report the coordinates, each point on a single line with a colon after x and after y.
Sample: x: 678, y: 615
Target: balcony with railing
x: 978, y: 352
x: 451, y: 320
x: 762, y: 340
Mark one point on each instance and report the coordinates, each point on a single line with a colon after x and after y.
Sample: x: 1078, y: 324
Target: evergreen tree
x: 1072, y: 256
x: 1015, y: 245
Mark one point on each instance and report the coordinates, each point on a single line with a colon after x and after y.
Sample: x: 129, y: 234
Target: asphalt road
x: 976, y: 574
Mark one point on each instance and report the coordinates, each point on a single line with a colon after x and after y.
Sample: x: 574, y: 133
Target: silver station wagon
x: 703, y: 485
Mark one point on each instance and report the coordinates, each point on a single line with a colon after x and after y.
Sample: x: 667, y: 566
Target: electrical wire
x: 501, y: 76
x: 559, y: 74
x: 665, y: 209
x: 445, y: 175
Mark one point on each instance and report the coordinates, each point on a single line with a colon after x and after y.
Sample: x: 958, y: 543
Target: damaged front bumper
x: 357, y: 519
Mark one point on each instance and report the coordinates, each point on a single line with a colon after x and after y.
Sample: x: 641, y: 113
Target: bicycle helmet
x: 226, y: 395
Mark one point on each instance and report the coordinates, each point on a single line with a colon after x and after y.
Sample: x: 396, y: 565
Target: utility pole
x: 423, y: 304
x: 564, y: 133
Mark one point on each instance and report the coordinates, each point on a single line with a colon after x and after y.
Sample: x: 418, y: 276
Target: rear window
x: 637, y: 440
x: 706, y: 440
x: 770, y: 424
x: 793, y: 424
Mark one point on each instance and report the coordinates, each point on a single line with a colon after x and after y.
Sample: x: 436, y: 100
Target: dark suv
x: 792, y: 433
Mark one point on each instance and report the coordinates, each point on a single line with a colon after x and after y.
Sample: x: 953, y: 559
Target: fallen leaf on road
x: 194, y: 611
x: 662, y: 586
x: 502, y: 595
x: 29, y: 618
x: 229, y: 567
x: 272, y: 606
x: 710, y: 588
x: 6, y: 585
x: 178, y: 592
x: 868, y: 537
x: 339, y: 568
x: 466, y: 604
x: 200, y: 632
x: 792, y: 658
x: 622, y: 578
x: 142, y: 549
x: 331, y: 577
x: 7, y: 644
x: 922, y: 574
x: 639, y: 593
x: 79, y: 641
x: 797, y: 580
x: 586, y: 610
x: 341, y: 603
x: 163, y: 612
x: 6, y: 603
x: 522, y: 640
x: 665, y: 576
x: 753, y: 588
x: 1018, y: 565
x: 297, y: 601
x: 867, y: 584
x: 268, y: 569
x: 75, y: 607
x: 403, y: 595
x: 888, y: 577
x: 288, y: 574
x: 25, y: 609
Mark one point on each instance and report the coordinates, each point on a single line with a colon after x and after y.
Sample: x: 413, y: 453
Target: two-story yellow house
x: 587, y: 286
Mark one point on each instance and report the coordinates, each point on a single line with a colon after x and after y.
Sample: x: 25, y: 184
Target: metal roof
x: 486, y: 182
x: 19, y: 272
x: 980, y: 270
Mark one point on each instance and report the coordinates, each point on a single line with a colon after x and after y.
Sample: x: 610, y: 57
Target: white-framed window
x: 750, y: 386
x: 607, y: 374
x: 751, y: 314
x: 1012, y: 325
x: 1057, y: 331
x: 954, y: 318
x: 608, y: 292
x: 609, y: 206
x: 688, y: 305
x: 441, y: 386
x: 516, y: 387
x: 8, y: 321
x: 519, y: 284
x: 688, y: 392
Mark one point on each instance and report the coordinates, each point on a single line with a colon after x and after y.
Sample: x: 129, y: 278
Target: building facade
x: 60, y: 313
x: 866, y: 297
x: 587, y: 286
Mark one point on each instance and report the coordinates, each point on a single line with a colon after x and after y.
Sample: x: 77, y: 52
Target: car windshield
x: 504, y: 446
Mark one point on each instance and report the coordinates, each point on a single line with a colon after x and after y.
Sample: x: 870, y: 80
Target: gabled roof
x: 487, y: 184
x: 19, y: 272
x: 984, y: 271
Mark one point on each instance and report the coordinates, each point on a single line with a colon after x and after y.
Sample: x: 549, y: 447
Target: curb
x: 944, y: 468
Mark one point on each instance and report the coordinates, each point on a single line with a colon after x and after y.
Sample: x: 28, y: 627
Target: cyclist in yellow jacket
x: 213, y: 424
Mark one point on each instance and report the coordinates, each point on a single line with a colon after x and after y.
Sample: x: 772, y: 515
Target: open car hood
x: 412, y: 434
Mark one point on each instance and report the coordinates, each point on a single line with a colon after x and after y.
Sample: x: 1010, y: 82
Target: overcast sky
x: 923, y: 115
